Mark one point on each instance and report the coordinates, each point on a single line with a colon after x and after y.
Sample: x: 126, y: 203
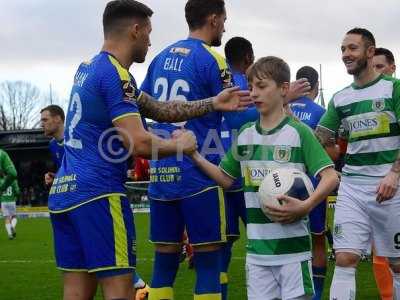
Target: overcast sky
x: 44, y: 41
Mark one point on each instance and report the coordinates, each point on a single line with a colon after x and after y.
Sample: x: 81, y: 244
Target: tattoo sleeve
x: 325, y: 136
x: 396, y: 164
x: 174, y: 110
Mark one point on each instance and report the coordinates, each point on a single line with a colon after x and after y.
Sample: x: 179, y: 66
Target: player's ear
x: 134, y: 30
x: 285, y: 89
x: 213, y: 20
x: 371, y: 51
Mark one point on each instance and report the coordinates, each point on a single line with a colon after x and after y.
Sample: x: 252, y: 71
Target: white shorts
x: 8, y: 209
x: 359, y: 219
x: 287, y: 282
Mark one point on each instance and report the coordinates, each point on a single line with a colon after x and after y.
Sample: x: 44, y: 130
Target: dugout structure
x: 28, y: 149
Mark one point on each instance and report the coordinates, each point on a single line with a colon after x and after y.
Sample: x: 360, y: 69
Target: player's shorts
x: 290, y: 281
x: 8, y: 209
x: 359, y: 219
x: 98, y: 237
x: 318, y: 219
x: 203, y: 216
x: 235, y: 207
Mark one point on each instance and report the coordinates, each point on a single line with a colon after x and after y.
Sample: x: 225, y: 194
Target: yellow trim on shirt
x: 222, y: 65
x: 125, y: 115
x: 122, y: 72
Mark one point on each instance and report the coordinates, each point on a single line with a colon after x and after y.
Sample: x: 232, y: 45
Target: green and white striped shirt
x: 370, y: 115
x: 258, y: 152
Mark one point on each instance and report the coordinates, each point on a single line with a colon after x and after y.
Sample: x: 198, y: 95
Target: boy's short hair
x: 270, y: 67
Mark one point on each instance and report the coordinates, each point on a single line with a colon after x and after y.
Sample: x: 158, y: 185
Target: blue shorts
x: 203, y: 216
x: 235, y: 207
x: 318, y: 218
x: 98, y: 236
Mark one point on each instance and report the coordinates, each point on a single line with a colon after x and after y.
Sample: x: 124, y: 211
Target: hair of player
x: 197, y: 11
x: 310, y: 74
x: 270, y: 67
x: 54, y: 110
x: 237, y: 48
x: 118, y: 11
x: 387, y: 53
x: 367, y: 36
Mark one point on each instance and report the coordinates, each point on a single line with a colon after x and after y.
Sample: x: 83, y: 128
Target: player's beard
x: 362, y: 64
x: 216, y: 42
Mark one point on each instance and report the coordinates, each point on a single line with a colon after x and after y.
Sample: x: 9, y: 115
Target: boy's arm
x: 295, y: 209
x: 213, y: 171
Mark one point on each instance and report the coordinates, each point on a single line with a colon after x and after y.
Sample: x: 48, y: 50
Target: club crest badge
x: 378, y: 105
x: 282, y: 153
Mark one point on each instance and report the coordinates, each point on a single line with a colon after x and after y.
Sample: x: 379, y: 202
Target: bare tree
x: 20, y: 103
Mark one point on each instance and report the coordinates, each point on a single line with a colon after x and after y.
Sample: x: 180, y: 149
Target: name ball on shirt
x: 286, y: 181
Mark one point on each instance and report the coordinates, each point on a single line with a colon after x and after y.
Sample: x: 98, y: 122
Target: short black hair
x: 237, y: 48
x: 309, y: 73
x: 367, y: 36
x: 387, y: 53
x: 54, y: 110
x: 197, y: 11
x: 120, y: 10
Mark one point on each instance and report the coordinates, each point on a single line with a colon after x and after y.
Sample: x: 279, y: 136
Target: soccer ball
x: 286, y: 181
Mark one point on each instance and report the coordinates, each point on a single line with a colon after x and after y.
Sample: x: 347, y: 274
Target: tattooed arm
x: 230, y: 99
x: 173, y: 111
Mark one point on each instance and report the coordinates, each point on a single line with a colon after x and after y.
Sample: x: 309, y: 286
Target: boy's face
x: 266, y: 94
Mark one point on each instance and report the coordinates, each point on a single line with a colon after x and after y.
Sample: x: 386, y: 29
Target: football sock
x: 318, y: 279
x: 226, y: 253
x: 396, y: 286
x: 207, y: 266
x: 383, y: 277
x: 343, y: 285
x: 14, y: 222
x: 164, y: 272
x: 9, y: 229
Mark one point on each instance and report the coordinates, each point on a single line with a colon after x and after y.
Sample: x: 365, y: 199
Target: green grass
x: 27, y: 268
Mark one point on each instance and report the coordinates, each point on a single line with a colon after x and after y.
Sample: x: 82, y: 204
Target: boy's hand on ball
x: 291, y: 211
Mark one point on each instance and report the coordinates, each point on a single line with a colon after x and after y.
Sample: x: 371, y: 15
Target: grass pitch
x: 27, y: 267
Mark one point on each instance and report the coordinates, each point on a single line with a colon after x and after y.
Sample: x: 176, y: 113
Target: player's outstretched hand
x: 291, y: 211
x: 298, y: 88
x: 232, y: 99
x: 186, y: 140
x: 387, y: 188
x: 49, y: 178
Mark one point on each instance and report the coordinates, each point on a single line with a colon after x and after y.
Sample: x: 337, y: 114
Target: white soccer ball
x: 286, y: 181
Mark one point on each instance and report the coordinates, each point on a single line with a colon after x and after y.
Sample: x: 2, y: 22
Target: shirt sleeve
x: 230, y: 165
x: 8, y: 169
x: 315, y: 157
x: 396, y: 99
x: 120, y: 93
x: 330, y: 119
